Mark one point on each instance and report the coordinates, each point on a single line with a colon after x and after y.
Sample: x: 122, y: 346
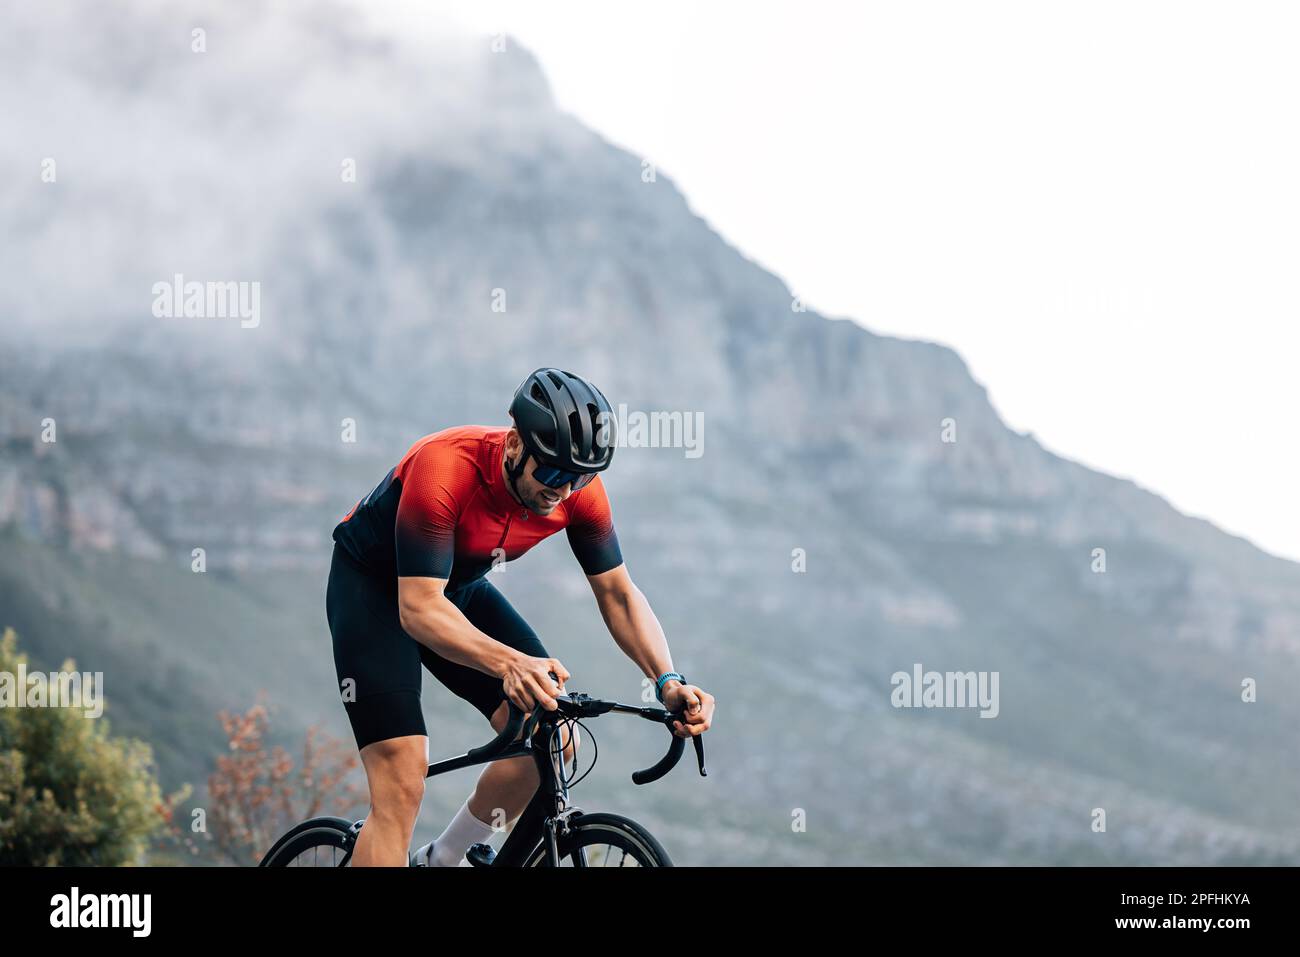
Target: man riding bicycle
x: 407, y: 587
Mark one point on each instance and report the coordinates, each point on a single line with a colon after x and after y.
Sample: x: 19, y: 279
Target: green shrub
x: 69, y: 794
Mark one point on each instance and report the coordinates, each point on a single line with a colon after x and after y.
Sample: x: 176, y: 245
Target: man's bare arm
x: 637, y: 631
x: 631, y: 621
x: 428, y: 616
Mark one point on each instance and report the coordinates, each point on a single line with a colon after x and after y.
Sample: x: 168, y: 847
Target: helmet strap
x: 514, y: 471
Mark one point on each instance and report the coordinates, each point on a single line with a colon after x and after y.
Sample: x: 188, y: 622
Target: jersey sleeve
x: 433, y: 491
x: 591, y: 530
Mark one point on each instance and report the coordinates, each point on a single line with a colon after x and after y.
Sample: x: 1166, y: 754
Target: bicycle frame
x: 548, y: 814
x: 545, y: 810
x: 544, y: 818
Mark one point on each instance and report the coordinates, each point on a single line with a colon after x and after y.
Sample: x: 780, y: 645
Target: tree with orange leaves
x: 257, y: 792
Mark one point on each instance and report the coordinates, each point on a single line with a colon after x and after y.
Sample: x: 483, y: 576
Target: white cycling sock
x: 448, y: 850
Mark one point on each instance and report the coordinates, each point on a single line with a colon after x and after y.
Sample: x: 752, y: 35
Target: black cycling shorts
x: 383, y: 661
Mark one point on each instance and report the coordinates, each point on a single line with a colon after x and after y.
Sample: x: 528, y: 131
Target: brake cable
x: 557, y: 751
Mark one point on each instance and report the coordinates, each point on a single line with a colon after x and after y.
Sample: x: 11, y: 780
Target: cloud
x: 213, y: 164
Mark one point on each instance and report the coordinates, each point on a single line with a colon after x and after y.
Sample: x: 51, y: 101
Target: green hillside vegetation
x: 71, y: 794
x: 175, y: 647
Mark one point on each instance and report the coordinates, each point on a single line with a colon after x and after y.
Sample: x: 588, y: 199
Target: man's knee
x: 500, y: 715
x: 568, y: 734
x: 395, y: 770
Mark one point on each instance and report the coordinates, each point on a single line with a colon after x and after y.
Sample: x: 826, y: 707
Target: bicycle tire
x: 612, y: 830
x: 334, y: 833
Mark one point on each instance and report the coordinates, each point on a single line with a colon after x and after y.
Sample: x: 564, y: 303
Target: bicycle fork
x: 546, y: 816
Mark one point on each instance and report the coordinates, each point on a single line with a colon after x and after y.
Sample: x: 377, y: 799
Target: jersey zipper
x: 510, y: 517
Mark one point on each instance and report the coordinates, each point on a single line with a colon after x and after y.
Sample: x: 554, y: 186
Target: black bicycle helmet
x: 564, y: 421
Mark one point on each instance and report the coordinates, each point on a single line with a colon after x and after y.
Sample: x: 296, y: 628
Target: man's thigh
x: 377, y: 663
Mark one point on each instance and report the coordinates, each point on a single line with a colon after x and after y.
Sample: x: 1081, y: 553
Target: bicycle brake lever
x: 697, y: 740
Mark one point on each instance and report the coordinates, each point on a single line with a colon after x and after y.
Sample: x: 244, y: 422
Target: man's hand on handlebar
x: 532, y: 681
x: 696, y: 702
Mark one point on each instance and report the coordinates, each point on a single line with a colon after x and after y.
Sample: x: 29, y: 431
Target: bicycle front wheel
x: 320, y: 842
x: 604, y: 840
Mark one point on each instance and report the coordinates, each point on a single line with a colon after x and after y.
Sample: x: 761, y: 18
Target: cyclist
x: 407, y: 587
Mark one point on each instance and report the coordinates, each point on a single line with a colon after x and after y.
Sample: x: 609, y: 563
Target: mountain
x: 380, y: 315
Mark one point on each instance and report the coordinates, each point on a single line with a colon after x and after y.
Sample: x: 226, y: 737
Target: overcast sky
x: 1095, y: 204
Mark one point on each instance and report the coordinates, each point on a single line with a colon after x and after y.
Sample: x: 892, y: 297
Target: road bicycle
x: 550, y: 832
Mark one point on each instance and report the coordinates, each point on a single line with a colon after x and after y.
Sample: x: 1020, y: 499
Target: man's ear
x: 514, y: 448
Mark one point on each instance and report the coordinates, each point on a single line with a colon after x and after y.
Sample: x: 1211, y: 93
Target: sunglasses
x: 558, y: 478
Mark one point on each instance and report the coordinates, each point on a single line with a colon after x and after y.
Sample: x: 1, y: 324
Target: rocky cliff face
x: 487, y: 233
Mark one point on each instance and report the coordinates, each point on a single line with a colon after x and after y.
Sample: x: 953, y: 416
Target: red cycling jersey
x: 444, y: 511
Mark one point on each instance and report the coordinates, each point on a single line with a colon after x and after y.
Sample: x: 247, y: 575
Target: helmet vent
x: 575, y: 430
x: 594, y: 414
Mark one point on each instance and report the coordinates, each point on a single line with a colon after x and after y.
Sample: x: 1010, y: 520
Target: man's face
x: 537, y: 498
